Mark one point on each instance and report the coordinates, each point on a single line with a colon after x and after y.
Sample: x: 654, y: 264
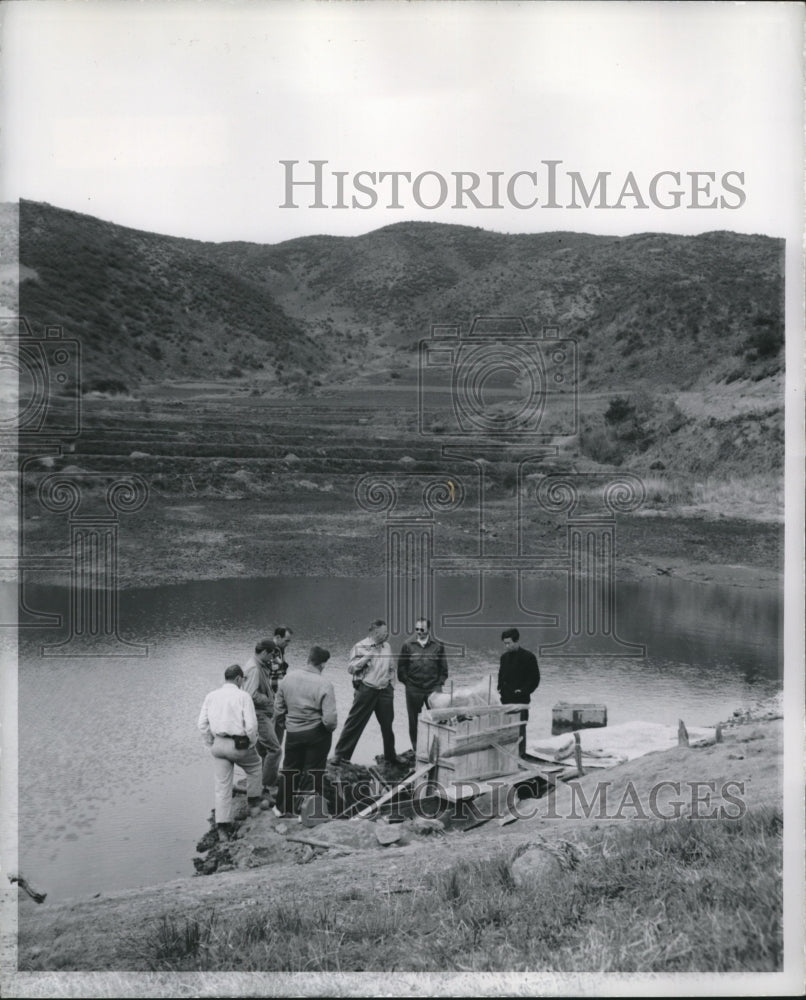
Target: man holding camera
x: 228, y: 724
x: 279, y: 668
x: 257, y: 684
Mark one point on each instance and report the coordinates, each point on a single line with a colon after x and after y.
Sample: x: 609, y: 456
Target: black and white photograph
x: 402, y: 498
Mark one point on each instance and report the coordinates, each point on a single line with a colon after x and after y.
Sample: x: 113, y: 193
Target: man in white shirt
x: 373, y: 668
x: 227, y: 718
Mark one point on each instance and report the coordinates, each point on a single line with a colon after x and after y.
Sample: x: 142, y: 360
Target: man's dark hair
x: 427, y: 621
x: 266, y: 644
x: 233, y: 672
x: 318, y: 656
x: 377, y: 623
x: 281, y: 630
x: 511, y: 633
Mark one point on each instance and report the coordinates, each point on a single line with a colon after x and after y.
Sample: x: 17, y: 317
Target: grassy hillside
x: 669, y: 310
x: 146, y: 306
x: 680, y: 338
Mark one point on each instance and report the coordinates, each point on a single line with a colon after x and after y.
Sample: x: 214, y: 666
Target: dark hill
x: 656, y: 310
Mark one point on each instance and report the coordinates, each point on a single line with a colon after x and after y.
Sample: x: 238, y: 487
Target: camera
x: 498, y: 379
x: 46, y: 371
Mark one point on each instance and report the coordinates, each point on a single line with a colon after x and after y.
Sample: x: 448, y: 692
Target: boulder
x: 387, y: 833
x: 535, y: 866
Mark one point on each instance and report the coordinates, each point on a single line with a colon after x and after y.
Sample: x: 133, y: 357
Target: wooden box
x: 469, y: 743
x: 568, y: 716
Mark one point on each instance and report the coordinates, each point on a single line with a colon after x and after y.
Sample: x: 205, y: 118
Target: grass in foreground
x: 680, y: 896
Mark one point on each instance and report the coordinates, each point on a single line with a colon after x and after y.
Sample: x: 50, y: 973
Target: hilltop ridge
x: 655, y: 309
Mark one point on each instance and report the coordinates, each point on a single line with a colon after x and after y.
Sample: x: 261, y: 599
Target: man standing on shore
x: 257, y: 684
x: 518, y: 677
x: 422, y: 668
x: 228, y: 724
x: 373, y: 668
x: 278, y: 670
x: 308, y: 703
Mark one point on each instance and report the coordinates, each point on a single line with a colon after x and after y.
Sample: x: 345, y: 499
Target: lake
x: 115, y: 785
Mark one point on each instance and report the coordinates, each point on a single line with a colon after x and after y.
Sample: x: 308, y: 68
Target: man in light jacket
x: 307, y: 702
x: 373, y: 668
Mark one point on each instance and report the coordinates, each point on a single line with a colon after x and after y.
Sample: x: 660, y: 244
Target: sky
x: 176, y: 118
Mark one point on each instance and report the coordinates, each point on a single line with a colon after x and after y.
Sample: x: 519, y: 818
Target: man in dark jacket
x: 422, y: 668
x: 518, y: 677
x: 257, y: 683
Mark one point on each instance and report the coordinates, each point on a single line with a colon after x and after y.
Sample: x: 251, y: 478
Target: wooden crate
x: 469, y: 743
x: 569, y: 716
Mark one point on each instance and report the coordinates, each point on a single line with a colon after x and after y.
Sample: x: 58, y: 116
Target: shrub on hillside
x: 619, y: 410
x: 765, y: 341
x: 154, y: 349
x: 599, y: 444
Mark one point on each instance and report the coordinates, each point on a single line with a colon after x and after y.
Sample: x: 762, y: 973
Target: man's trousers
x: 305, y: 754
x: 268, y: 746
x: 414, y: 705
x: 225, y: 756
x: 366, y: 701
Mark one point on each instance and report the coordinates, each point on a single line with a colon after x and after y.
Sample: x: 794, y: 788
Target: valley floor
x: 174, y: 540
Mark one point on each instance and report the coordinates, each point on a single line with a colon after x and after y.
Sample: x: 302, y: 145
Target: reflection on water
x: 116, y: 785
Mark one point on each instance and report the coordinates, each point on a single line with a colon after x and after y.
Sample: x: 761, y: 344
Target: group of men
x: 244, y: 721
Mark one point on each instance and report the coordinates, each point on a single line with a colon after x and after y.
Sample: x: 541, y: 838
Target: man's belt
x: 241, y: 742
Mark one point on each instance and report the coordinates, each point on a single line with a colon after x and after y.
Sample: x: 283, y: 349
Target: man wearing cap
x: 422, y: 668
x: 373, y: 668
x: 308, y: 703
x: 228, y: 724
x: 257, y: 683
x: 279, y: 668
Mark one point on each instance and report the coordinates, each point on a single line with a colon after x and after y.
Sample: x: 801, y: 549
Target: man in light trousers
x: 228, y: 725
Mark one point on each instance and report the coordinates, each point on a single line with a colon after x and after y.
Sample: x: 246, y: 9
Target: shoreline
x: 99, y: 933
x: 219, y: 540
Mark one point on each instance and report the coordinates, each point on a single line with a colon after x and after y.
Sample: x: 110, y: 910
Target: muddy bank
x: 201, y: 538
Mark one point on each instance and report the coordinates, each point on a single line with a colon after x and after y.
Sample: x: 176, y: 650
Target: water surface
x: 115, y: 785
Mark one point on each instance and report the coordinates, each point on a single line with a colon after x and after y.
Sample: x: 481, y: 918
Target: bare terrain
x: 243, y: 484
